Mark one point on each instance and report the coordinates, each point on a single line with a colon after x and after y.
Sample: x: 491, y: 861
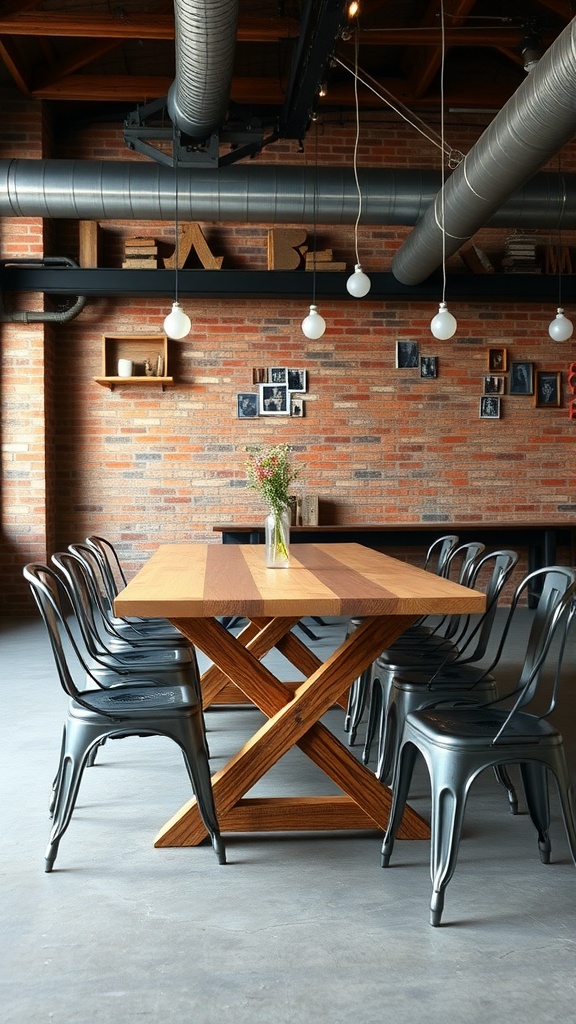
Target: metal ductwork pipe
x: 253, y: 194
x: 534, y: 125
x: 41, y: 316
x: 205, y: 43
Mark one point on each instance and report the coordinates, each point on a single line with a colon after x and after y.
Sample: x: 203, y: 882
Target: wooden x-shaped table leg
x: 293, y: 718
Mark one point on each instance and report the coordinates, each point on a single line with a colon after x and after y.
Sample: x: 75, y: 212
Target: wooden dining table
x: 194, y: 585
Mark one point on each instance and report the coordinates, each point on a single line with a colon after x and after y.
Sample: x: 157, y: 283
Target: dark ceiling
x: 107, y: 58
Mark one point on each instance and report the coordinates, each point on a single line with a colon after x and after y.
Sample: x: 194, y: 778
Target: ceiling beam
x: 157, y: 26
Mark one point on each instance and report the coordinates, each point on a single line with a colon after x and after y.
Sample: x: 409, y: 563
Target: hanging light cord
x: 443, y: 177
x: 356, y: 142
x: 562, y: 185
x: 315, y: 210
x: 177, y: 246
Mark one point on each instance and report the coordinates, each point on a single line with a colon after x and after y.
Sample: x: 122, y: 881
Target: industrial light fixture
x: 353, y: 9
x: 560, y: 328
x: 531, y: 46
x: 314, y: 325
x: 443, y: 325
x: 358, y: 284
x: 177, y: 324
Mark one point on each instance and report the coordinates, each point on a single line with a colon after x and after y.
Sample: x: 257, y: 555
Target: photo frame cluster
x: 408, y: 358
x: 522, y: 379
x: 281, y: 391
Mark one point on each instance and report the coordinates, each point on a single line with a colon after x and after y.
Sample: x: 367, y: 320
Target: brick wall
x: 377, y: 443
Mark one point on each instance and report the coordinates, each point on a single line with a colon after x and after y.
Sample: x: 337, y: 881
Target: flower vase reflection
x: 277, y: 531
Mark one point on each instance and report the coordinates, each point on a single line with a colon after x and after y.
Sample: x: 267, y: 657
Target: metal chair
x: 397, y: 691
x: 457, y: 743
x: 139, y: 708
x: 120, y: 631
x: 110, y: 661
x: 105, y: 564
x: 437, y: 645
x: 436, y: 562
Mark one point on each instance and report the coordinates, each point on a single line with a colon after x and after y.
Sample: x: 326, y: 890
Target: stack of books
x: 140, y: 254
x: 521, y: 255
x: 322, y: 259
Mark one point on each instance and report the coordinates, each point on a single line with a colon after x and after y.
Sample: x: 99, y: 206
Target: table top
x: 206, y: 580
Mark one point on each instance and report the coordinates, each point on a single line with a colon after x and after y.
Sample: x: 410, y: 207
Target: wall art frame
x: 498, y: 360
x: 494, y: 384
x: 429, y: 367
x: 548, y: 389
x: 273, y: 400
x: 407, y: 355
x: 490, y: 407
x: 246, y: 405
x: 521, y: 378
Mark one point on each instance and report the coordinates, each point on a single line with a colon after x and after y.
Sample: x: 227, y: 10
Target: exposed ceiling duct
x: 534, y: 125
x: 205, y: 44
x: 252, y: 193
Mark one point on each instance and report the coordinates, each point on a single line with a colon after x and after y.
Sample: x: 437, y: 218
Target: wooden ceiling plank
x: 81, y: 57
x: 160, y: 26
x: 120, y: 88
x: 13, y: 64
x: 422, y: 68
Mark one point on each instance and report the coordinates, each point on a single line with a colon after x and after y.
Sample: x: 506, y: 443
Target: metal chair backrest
x: 99, y: 592
x: 474, y: 643
x: 85, y: 600
x: 54, y: 606
x: 110, y: 565
x: 464, y: 556
x: 555, y: 610
x: 438, y: 552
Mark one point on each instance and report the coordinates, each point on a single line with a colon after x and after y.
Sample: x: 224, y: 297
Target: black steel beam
x: 490, y: 289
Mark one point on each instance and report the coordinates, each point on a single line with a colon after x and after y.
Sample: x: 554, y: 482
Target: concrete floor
x: 295, y: 929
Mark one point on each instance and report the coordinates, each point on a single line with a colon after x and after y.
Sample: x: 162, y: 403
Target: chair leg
x: 58, y: 776
x: 357, y: 704
x: 448, y: 805
x: 192, y: 739
x: 388, y: 745
x: 535, y: 780
x: 80, y: 738
x: 374, y: 717
x: 401, y: 787
x: 502, y: 776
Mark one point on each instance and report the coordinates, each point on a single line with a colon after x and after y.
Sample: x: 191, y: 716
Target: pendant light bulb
x: 561, y: 328
x: 177, y: 324
x: 358, y: 284
x: 313, y: 325
x: 443, y: 325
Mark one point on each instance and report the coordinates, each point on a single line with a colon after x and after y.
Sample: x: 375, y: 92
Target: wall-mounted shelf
x: 137, y: 348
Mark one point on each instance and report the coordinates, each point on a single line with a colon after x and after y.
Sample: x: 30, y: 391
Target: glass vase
x: 277, y: 529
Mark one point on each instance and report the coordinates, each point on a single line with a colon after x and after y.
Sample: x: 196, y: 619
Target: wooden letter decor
x: 283, y: 248
x: 190, y: 236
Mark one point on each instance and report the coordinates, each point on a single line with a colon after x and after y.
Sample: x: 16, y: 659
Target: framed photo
x: 548, y: 388
x: 247, y: 405
x: 494, y: 384
x: 259, y: 374
x: 277, y: 375
x: 429, y: 366
x: 273, y: 400
x: 406, y: 355
x: 497, y: 360
x: 297, y: 406
x: 521, y: 378
x: 296, y: 380
x: 489, y: 407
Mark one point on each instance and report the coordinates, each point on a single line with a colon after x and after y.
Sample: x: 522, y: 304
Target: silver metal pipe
x: 205, y: 43
x: 253, y: 194
x: 534, y: 125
